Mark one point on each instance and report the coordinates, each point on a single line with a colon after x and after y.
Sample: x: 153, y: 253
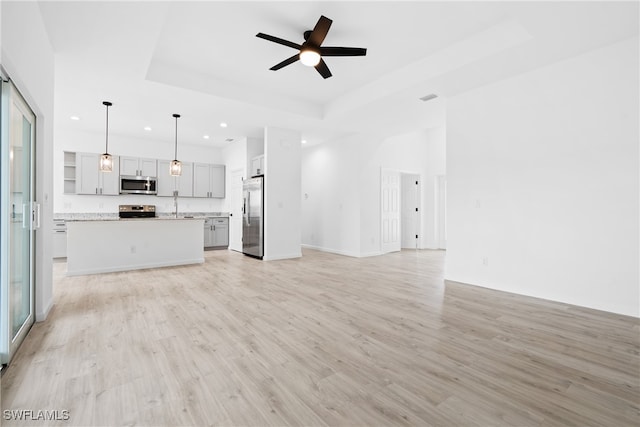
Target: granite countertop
x: 114, y: 216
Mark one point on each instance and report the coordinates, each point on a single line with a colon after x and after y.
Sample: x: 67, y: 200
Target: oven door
x: 138, y: 185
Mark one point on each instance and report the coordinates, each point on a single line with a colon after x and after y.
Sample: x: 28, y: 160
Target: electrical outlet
x: 485, y: 261
x: 133, y: 249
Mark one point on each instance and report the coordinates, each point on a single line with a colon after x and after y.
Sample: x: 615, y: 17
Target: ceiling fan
x: 311, y: 51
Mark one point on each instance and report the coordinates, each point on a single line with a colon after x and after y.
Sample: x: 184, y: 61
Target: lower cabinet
x: 59, y: 239
x: 216, y: 232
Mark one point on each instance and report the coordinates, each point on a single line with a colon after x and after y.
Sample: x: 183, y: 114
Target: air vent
x: 229, y: 140
x: 429, y: 97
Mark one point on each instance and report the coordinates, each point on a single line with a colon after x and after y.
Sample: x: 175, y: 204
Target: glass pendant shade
x: 106, y: 160
x: 175, y: 168
x: 106, y: 163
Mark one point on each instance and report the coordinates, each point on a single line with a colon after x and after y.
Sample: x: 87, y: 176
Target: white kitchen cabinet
x: 216, y: 232
x: 208, y: 180
x: 135, y: 166
x: 69, y: 172
x: 89, y: 178
x: 257, y: 165
x: 59, y: 239
x: 167, y: 184
x: 220, y: 232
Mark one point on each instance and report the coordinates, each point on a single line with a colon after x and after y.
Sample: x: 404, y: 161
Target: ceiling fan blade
x: 278, y: 40
x: 320, y: 31
x: 323, y: 69
x: 286, y: 62
x: 343, y: 51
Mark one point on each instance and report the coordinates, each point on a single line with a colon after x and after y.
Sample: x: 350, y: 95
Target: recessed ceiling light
x: 223, y: 125
x: 205, y: 136
x: 147, y: 128
x: 304, y: 141
x: 74, y: 118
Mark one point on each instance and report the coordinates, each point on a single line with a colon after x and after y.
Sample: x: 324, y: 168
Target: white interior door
x: 390, y: 214
x: 409, y: 208
x: 235, y: 210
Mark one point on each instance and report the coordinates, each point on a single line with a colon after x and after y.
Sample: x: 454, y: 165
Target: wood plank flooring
x: 322, y: 340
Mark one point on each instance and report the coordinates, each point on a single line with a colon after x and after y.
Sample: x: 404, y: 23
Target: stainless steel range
x: 137, y: 211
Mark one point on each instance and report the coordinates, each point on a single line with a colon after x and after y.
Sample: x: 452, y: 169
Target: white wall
x: 282, y: 194
x: 342, y: 179
x: 436, y: 166
x: 27, y: 56
x: 71, y: 140
x: 234, y: 157
x: 331, y: 197
x: 543, y: 182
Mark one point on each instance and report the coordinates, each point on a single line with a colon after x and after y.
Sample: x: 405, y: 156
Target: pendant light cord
x: 175, y: 154
x: 106, y: 144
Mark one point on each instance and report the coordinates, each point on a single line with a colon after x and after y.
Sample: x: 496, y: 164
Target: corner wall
x: 543, y: 187
x: 282, y: 194
x: 341, y: 188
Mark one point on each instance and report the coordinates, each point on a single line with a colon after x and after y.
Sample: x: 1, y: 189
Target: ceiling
x: 202, y: 60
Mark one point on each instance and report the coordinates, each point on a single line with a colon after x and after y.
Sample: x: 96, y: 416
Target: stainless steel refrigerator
x: 253, y: 217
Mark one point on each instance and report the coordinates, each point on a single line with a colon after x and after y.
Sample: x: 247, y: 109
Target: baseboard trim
x: 543, y: 299
x: 134, y: 267
x: 279, y: 257
x: 41, y: 316
x: 339, y: 252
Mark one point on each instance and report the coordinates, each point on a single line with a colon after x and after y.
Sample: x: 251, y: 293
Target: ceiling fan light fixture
x: 309, y: 57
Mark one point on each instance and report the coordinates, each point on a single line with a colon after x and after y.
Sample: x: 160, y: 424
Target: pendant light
x: 175, y: 168
x: 106, y: 160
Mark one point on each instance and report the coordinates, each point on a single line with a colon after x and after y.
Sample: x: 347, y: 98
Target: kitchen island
x: 108, y: 245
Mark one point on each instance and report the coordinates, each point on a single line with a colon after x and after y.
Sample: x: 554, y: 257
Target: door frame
x: 9, y: 344
x: 418, y: 214
x: 441, y: 211
x: 237, y: 218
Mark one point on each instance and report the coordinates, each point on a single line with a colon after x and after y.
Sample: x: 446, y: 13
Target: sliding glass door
x: 17, y: 218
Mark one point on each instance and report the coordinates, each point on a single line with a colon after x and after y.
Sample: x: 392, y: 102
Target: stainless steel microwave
x: 138, y: 184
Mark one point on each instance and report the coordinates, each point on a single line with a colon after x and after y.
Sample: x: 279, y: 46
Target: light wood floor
x: 323, y: 340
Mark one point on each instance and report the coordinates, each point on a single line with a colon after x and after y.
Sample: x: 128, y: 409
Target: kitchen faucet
x: 175, y: 202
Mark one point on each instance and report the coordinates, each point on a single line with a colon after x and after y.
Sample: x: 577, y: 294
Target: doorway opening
x: 410, y: 210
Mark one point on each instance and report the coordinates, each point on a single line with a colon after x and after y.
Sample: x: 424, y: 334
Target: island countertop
x: 108, y: 245
x: 104, y: 216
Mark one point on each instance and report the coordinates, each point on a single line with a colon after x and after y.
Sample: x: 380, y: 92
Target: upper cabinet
x: 82, y: 175
x: 69, y: 172
x: 136, y: 166
x: 257, y: 165
x: 208, y: 180
x: 167, y: 184
x: 89, y: 178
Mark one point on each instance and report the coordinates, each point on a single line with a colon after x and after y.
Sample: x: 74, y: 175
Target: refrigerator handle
x: 249, y: 210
